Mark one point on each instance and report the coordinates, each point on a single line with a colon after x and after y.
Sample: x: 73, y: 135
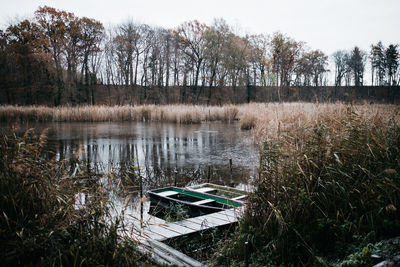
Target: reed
x: 168, y: 113
x: 328, y: 183
x: 39, y: 225
x: 264, y: 116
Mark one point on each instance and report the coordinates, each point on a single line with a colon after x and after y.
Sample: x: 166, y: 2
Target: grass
x: 328, y: 183
x: 184, y: 114
x: 39, y: 225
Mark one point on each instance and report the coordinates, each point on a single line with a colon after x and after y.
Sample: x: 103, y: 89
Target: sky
x: 328, y: 25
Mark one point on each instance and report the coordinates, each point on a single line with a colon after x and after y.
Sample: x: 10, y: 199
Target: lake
x: 193, y: 152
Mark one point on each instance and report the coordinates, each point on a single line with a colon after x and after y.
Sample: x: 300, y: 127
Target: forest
x: 62, y: 56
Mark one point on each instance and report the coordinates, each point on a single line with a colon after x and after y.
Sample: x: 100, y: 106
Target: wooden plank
x: 167, y: 193
x: 227, y: 213
x: 146, y: 250
x: 152, y: 235
x: 204, y: 201
x: 204, y: 189
x: 194, y: 226
x: 177, y: 254
x: 239, y: 197
x: 183, y: 230
x: 224, y: 217
x: 217, y: 221
x: 167, y: 233
x: 208, y: 222
x: 165, y: 256
x: 202, y: 221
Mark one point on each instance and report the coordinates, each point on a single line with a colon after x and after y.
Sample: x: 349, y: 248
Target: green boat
x: 197, y: 203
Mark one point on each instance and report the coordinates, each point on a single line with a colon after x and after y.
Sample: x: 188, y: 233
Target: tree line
x: 350, y: 65
x: 65, y: 54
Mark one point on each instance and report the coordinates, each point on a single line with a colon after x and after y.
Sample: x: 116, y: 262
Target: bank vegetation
x: 327, y: 193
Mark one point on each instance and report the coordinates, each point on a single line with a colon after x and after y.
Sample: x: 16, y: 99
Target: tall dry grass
x: 273, y: 120
x: 329, y: 182
x: 184, y: 114
x: 267, y: 120
x: 39, y: 224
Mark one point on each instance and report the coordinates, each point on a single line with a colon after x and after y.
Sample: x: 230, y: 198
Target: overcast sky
x: 328, y: 25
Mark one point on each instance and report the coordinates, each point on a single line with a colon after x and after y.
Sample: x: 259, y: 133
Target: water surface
x: 157, y: 146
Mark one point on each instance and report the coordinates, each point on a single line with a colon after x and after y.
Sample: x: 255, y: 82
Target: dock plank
x: 178, y: 255
x: 163, y: 231
x: 181, y: 229
x: 204, y: 223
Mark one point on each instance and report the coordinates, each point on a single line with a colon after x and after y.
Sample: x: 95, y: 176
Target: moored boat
x: 196, y: 203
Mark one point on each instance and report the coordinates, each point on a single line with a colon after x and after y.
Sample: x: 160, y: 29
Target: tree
x: 92, y: 34
x: 52, y: 24
x: 27, y: 63
x: 258, y: 58
x: 318, y: 61
x: 72, y: 51
x: 215, y: 40
x: 378, y: 62
x: 191, y: 35
x: 356, y: 63
x: 311, y: 65
x: 284, y: 53
x: 392, y: 63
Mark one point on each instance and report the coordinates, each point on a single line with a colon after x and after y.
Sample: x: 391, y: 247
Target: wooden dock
x: 151, y: 236
x: 162, y: 232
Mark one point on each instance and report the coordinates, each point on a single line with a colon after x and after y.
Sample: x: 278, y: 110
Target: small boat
x: 196, y: 203
x: 220, y: 190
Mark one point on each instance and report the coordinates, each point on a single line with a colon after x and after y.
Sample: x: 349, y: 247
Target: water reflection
x: 156, y: 145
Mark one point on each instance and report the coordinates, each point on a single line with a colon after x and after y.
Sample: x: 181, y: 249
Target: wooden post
x: 141, y: 199
x: 246, y: 254
x: 230, y: 167
x: 175, y: 177
x: 140, y: 188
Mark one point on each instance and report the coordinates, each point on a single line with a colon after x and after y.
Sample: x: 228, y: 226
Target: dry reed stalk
x: 268, y: 119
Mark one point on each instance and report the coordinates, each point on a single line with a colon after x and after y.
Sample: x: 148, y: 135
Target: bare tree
x: 191, y: 34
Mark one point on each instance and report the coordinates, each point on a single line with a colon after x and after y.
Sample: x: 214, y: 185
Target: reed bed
x: 266, y: 119
x: 40, y: 224
x: 328, y: 185
x: 182, y: 114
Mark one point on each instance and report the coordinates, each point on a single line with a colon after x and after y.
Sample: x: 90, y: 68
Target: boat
x: 220, y: 190
x: 196, y: 203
